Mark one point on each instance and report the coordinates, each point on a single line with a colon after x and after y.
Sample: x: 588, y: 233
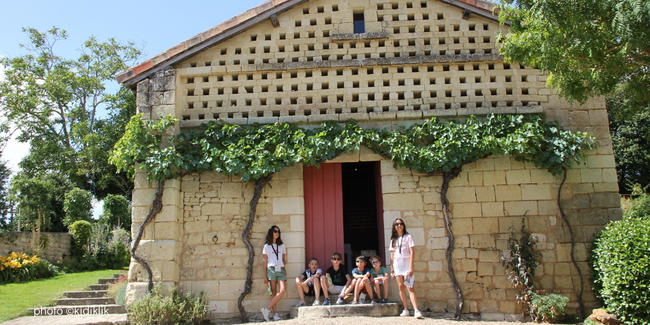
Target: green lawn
x: 16, y: 298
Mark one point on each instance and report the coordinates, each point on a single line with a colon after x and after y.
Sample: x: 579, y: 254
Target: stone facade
x: 417, y: 59
x: 22, y: 242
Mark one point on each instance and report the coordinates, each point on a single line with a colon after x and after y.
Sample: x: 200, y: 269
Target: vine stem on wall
x: 446, y: 178
x: 581, y: 307
x: 156, y: 207
x: 257, y: 193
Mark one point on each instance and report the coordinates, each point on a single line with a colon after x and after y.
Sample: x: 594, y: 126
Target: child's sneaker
x: 417, y: 314
x: 326, y: 302
x: 340, y: 301
x: 276, y: 317
x: 300, y: 304
x: 354, y: 302
x: 316, y: 303
x: 266, y: 313
x: 374, y: 301
x: 404, y: 313
x: 385, y: 301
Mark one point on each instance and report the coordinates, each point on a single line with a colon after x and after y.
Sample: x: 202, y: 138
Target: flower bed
x: 17, y: 267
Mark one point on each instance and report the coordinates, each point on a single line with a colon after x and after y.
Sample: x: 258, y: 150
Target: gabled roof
x: 241, y: 22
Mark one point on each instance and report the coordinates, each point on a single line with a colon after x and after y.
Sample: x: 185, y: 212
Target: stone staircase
x: 93, y: 302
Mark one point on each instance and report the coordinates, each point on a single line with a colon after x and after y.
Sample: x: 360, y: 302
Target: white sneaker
x: 266, y: 313
x: 316, y: 303
x: 404, y: 313
x: 417, y: 314
x: 276, y: 317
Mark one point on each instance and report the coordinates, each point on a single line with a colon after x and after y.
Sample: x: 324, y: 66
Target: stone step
x: 78, y: 310
x: 85, y: 294
x: 96, y: 287
x: 372, y: 310
x: 84, y: 301
x: 107, y: 281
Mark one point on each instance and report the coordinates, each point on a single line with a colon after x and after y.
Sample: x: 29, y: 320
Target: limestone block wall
x: 214, y: 257
x: 23, y: 242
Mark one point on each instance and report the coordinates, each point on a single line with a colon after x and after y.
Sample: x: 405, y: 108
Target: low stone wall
x: 58, y: 244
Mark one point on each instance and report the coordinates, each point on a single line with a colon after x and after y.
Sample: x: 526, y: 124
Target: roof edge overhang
x: 239, y: 24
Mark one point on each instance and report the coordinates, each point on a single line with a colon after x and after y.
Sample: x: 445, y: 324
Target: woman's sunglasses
x: 399, y: 224
x: 276, y: 231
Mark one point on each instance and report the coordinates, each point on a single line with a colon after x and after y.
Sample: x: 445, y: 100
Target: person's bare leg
x: 317, y: 289
x: 281, y: 291
x: 376, y: 285
x: 366, y: 284
x: 402, y: 291
x: 414, y: 298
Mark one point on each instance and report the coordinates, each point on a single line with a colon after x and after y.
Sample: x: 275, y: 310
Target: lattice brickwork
x: 416, y: 59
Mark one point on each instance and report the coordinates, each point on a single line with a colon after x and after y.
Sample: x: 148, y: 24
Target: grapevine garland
x: 255, y: 152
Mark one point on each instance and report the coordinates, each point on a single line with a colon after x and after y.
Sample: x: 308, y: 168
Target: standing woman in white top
x: 402, y: 250
x: 274, y: 254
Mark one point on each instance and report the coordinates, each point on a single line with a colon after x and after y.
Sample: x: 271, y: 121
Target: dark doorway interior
x: 359, y: 209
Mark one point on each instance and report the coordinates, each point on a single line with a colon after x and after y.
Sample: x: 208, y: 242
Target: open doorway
x: 362, y: 222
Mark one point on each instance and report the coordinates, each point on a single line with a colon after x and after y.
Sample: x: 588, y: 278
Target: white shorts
x: 402, y: 268
x: 335, y: 290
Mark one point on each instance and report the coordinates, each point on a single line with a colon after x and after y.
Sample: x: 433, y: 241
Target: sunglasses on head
x: 336, y: 258
x: 399, y: 224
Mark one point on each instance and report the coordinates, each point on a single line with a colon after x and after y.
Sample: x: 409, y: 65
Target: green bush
x: 80, y: 232
x: 621, y: 261
x: 107, y: 249
x: 547, y: 308
x: 77, y: 206
x: 639, y: 207
x: 117, y: 212
x: 45, y: 269
x: 176, y: 308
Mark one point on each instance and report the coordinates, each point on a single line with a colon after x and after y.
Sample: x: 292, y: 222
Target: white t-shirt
x: 401, y: 250
x: 274, y: 254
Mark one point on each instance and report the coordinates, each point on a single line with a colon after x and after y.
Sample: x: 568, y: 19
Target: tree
x: 34, y: 196
x: 55, y: 103
x: 587, y: 46
x: 631, y: 144
x: 77, y: 206
x: 116, y: 212
x: 5, y: 203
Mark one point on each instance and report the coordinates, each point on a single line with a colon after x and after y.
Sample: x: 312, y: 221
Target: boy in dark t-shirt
x: 340, y: 279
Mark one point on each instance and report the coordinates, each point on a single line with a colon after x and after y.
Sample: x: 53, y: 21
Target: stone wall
x: 57, y: 248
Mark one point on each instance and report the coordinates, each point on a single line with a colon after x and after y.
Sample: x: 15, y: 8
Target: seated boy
x: 340, y: 278
x: 309, y: 283
x: 362, y: 280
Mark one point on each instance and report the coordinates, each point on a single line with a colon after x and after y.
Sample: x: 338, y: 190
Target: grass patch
x: 16, y: 298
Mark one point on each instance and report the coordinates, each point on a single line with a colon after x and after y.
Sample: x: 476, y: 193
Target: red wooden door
x: 323, y: 212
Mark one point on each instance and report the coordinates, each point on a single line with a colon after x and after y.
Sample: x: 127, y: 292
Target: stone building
x: 384, y: 63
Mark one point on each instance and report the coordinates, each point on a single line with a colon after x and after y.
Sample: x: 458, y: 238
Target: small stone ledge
x: 363, y: 36
x: 374, y: 116
x: 372, y: 310
x: 418, y: 59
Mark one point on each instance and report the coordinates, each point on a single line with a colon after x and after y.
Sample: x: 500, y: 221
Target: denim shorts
x: 275, y: 276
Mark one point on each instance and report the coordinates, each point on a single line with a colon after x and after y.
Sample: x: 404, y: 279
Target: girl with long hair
x: 275, y: 257
x: 402, y: 250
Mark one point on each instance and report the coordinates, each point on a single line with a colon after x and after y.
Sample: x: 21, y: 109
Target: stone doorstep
x: 84, y: 301
x: 348, y: 310
x: 86, y: 294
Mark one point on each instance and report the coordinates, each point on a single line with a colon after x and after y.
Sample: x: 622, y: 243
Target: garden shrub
x: 77, y: 206
x: 18, y: 267
x: 177, y: 308
x: 80, y: 232
x: 547, y: 307
x: 107, y: 249
x: 621, y: 261
x: 45, y: 269
x: 117, y: 212
x: 117, y: 290
x: 638, y: 207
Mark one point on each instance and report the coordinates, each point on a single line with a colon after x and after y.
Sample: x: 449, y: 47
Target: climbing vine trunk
x: 446, y: 178
x: 246, y: 235
x: 156, y: 207
x: 581, y: 307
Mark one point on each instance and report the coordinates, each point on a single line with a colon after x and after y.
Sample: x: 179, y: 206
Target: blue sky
x: 156, y: 25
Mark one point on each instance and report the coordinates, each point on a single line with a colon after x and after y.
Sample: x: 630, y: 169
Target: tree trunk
x: 156, y: 207
x: 446, y: 178
x: 259, y: 188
